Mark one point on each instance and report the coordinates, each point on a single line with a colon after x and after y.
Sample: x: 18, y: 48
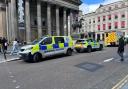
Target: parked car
x: 88, y: 45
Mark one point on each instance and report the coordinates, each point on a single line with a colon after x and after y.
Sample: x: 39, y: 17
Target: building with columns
x: 30, y: 19
x: 107, y: 18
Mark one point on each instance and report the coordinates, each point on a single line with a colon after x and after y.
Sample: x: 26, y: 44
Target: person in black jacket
x: 5, y: 44
x: 121, y: 48
x: 0, y: 44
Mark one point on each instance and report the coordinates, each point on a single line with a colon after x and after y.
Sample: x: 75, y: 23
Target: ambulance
x: 112, y: 38
x: 45, y: 47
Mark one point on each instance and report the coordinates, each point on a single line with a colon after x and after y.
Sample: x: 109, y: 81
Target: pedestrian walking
x: 5, y: 44
x: 121, y: 48
x: 15, y: 47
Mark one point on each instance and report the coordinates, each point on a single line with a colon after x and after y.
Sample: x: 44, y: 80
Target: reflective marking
x: 17, y: 87
x: 108, y: 60
x: 121, y: 83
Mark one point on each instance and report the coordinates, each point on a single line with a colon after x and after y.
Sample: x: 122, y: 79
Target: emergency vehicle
x: 47, y: 46
x: 88, y: 45
x: 112, y: 38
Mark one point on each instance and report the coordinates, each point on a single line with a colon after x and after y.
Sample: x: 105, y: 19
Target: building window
x: 122, y: 24
x: 109, y: 25
x: 98, y: 27
x: 89, y: 21
x: 109, y: 17
x: 98, y: 19
x: 93, y: 20
x: 123, y: 5
x: 109, y: 8
x: 104, y: 10
x: 122, y: 15
x: 104, y: 26
x: 116, y: 25
x: 35, y: 22
x: 106, y: 34
x: 43, y: 22
x: 104, y: 18
x: 116, y: 17
x: 116, y: 6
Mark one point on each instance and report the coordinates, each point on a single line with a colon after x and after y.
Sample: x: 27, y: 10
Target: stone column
x: 39, y: 19
x: 104, y: 36
x: 9, y: 23
x: 27, y: 14
x: 57, y: 21
x: 71, y: 22
x: 49, y: 19
x: 13, y: 20
x: 7, y: 31
x: 95, y: 36
x: 101, y: 36
x: 69, y: 26
x: 64, y: 22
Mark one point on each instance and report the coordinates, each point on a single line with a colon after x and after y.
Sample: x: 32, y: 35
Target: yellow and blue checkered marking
x: 43, y: 47
x: 55, y: 46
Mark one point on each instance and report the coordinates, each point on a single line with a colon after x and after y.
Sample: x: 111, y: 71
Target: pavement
x: 8, y: 56
x: 96, y: 70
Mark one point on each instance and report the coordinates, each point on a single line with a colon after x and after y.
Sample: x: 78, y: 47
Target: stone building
x: 107, y: 18
x: 31, y: 19
x: 3, y: 28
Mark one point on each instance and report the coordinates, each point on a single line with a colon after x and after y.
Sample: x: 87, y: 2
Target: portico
x: 31, y: 19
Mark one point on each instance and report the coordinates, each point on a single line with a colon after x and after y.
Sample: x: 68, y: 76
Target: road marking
x: 108, y: 60
x: 121, y: 83
x: 13, y: 59
x: 17, y: 87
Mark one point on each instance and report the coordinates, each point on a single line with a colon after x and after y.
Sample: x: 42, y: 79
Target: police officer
x: 121, y: 48
x: 0, y: 44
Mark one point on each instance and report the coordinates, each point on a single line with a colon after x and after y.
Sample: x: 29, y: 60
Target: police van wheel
x: 37, y: 57
x: 69, y: 52
x: 89, y: 49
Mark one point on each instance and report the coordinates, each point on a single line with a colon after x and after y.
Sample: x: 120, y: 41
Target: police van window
x: 46, y: 41
x: 59, y: 40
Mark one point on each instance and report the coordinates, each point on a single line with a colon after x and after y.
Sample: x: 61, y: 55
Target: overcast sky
x: 91, y: 5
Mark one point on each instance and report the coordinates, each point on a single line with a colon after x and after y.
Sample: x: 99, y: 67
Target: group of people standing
x: 4, y: 46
